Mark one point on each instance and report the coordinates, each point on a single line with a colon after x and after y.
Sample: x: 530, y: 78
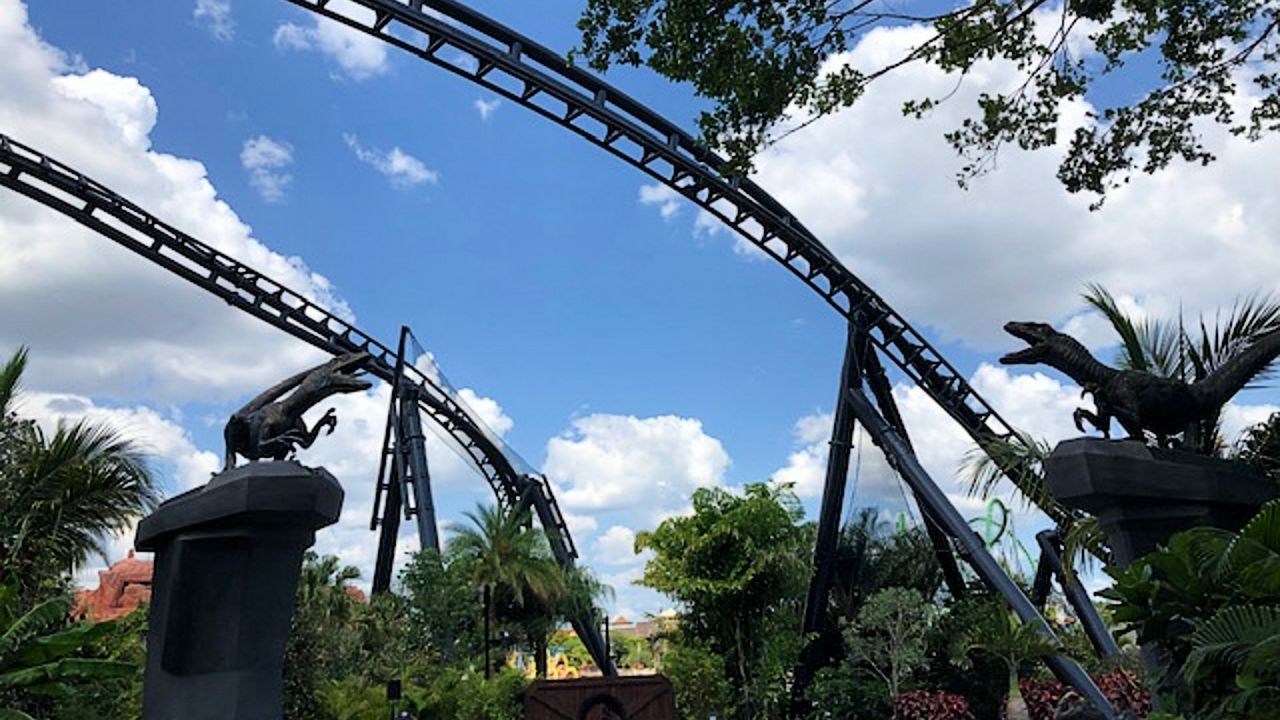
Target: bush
x: 844, y: 693
x: 985, y: 682
x: 698, y: 678
x: 931, y: 705
x: 1123, y: 690
x: 466, y: 695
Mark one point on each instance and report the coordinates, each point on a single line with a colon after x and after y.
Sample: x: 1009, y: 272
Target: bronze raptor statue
x: 271, y: 425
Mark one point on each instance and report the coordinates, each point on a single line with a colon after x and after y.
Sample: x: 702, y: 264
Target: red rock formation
x: 121, y: 589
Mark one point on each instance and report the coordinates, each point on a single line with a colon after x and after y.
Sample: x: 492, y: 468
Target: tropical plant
x: 324, y: 642
x: 511, y: 564
x: 760, y: 63
x: 1013, y: 642
x: 61, y: 494
x: 888, y: 635
x: 1259, y: 447
x: 738, y: 566
x: 39, y: 654
x: 440, y: 602
x: 847, y: 692
x: 1209, y: 601
x: 697, y: 674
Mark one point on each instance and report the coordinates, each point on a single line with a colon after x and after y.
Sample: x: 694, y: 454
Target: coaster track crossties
x: 536, y: 77
x: 533, y: 76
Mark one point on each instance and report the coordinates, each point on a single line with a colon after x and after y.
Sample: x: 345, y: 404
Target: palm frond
x: 1020, y: 458
x: 1134, y: 355
x: 1248, y: 319
x: 10, y: 377
x: 1230, y: 637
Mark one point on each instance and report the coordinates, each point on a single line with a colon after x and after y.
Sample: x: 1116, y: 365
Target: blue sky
x: 630, y: 350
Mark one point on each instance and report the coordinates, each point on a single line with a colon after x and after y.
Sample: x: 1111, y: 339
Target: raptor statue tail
x: 1231, y: 377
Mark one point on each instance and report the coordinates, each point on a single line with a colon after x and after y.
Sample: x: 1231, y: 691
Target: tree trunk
x: 540, y: 654
x: 488, y: 613
x: 1015, y: 708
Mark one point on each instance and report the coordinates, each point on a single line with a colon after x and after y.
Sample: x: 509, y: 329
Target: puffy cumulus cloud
x: 215, y: 16
x: 265, y: 159
x: 64, y: 289
x: 398, y: 166
x: 879, y: 189
x: 653, y: 465
x: 617, y: 546
x: 357, y: 55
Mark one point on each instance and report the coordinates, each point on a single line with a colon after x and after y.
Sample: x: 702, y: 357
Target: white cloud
x: 617, y: 546
x: 215, y: 15
x: 401, y: 168
x: 486, y: 108
x: 879, y: 190
x: 265, y: 159
x: 359, y: 56
x: 667, y: 200
x: 608, y: 462
x: 154, y: 338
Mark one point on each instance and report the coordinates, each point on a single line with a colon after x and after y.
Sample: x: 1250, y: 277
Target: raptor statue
x: 271, y: 425
x: 1139, y: 400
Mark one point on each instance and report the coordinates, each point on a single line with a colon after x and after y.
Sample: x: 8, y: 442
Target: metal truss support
x: 404, y: 483
x: 943, y: 550
x: 1050, y: 566
x: 860, y: 362
x: 833, y: 491
x: 541, y: 80
x: 899, y: 455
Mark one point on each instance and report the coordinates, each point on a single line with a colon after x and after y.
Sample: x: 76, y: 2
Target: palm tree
x: 507, y: 557
x: 61, y: 495
x: 1011, y: 641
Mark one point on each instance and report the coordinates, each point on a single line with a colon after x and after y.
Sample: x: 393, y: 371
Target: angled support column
x: 927, y: 492
x: 404, y: 483
x: 878, y: 383
x: 833, y: 491
x: 1051, y: 565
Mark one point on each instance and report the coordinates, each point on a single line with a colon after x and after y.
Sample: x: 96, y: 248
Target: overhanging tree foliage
x: 758, y: 61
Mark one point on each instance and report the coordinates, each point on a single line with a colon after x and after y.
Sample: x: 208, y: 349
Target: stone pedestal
x: 227, y: 561
x: 1142, y: 495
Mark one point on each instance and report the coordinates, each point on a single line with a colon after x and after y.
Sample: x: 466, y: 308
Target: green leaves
x: 738, y: 566
x: 61, y: 494
x: 769, y: 67
x: 38, y: 655
x: 1211, y: 599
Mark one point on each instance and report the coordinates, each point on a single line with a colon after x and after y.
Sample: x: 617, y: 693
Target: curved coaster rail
x: 482, y: 50
x: 92, y: 204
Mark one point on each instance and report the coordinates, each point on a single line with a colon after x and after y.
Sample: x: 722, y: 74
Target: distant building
x: 121, y: 589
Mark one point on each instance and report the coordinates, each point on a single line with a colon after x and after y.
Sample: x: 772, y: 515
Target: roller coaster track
x: 478, y: 48
x: 88, y: 202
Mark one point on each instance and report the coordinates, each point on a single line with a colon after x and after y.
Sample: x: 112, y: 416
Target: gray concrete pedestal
x: 1142, y: 495
x: 228, y: 556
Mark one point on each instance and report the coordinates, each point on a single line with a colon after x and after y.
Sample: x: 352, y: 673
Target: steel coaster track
x: 88, y: 202
x: 535, y: 77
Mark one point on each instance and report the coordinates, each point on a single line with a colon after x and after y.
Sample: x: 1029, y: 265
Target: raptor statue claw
x: 1140, y: 401
x: 271, y: 425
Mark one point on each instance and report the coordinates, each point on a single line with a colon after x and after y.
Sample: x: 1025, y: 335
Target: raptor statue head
x: 343, y: 374
x: 1036, y: 335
